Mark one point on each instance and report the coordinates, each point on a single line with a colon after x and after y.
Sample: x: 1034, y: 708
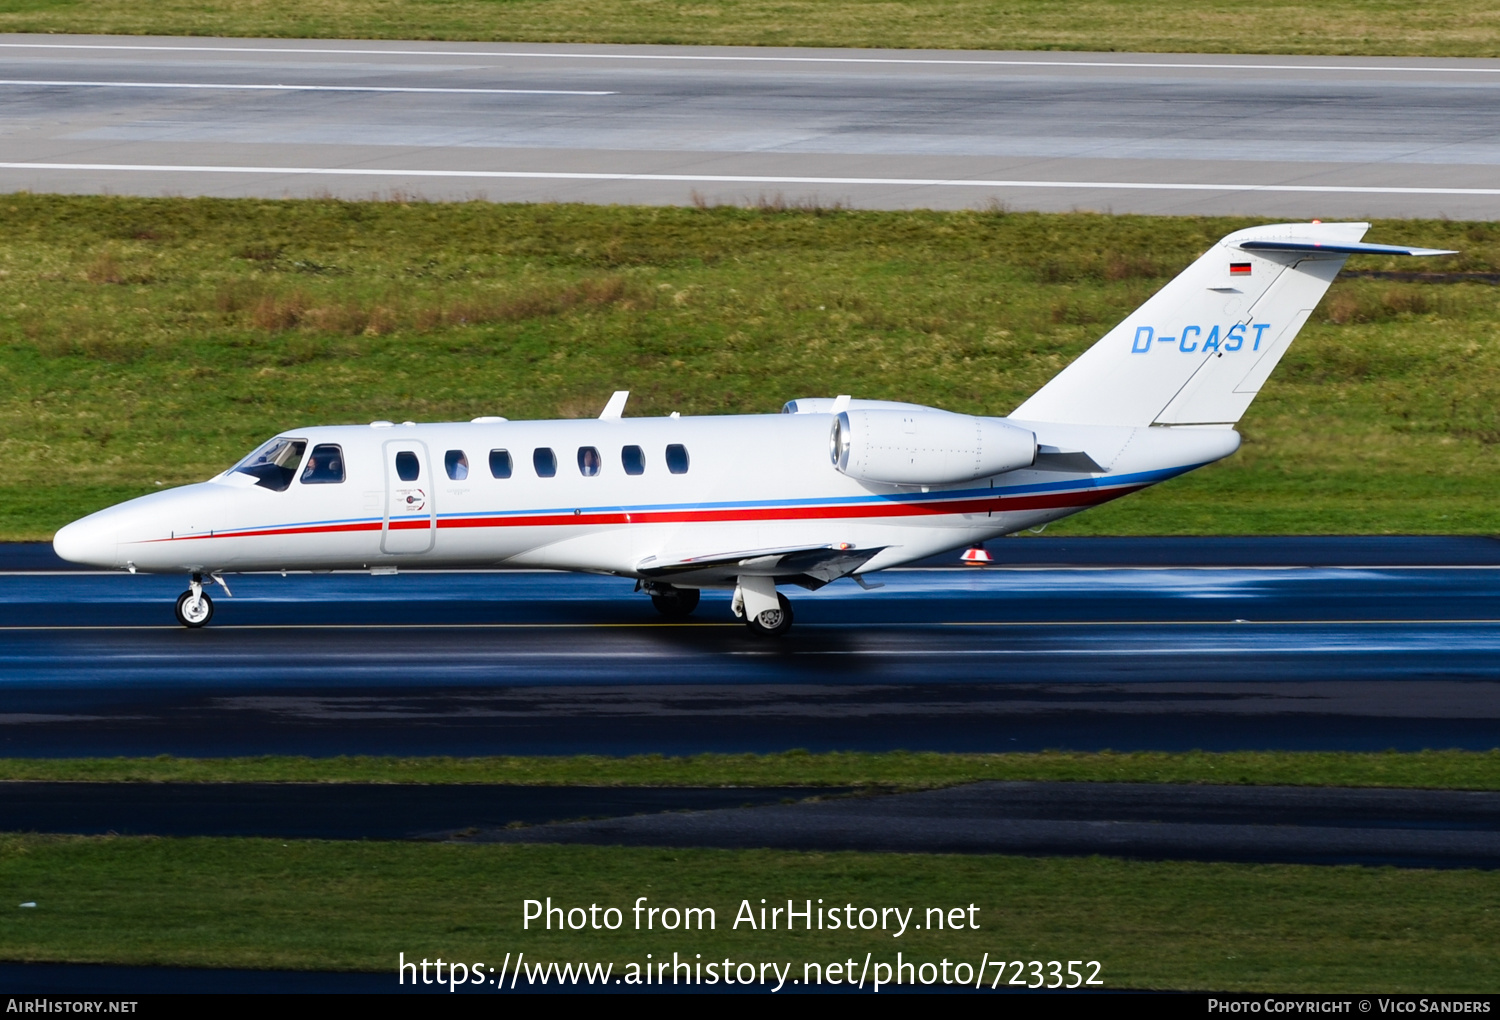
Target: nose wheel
x: 194, y: 607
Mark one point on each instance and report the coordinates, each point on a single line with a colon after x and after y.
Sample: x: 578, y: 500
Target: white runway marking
x: 297, y: 88
x: 744, y: 58
x: 540, y: 175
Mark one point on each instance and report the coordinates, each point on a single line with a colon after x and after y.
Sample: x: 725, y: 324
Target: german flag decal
x: 1239, y: 269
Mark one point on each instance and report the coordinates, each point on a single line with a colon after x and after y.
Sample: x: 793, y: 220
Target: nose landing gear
x: 194, y: 607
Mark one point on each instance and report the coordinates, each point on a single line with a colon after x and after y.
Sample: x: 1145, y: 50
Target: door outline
x: 388, y: 452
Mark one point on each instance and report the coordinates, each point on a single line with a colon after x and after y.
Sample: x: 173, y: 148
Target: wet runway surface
x: 1300, y: 825
x: 1141, y: 133
x: 1048, y: 651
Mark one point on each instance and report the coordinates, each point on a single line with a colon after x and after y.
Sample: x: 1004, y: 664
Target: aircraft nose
x: 87, y: 541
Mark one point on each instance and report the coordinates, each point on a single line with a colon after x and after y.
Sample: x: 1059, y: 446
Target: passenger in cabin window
x: 588, y: 461
x: 457, y: 463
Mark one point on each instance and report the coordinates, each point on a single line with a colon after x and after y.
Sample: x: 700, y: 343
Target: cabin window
x: 325, y: 465
x: 588, y: 461
x: 274, y: 463
x: 456, y: 463
x: 500, y: 465
x: 545, y: 462
x: 634, y: 460
x: 677, y: 459
x: 408, y: 468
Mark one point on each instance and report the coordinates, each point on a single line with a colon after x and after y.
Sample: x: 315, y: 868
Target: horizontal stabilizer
x: 1324, y: 247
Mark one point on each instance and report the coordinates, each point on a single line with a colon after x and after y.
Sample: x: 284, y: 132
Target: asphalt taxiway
x: 1310, y: 825
x: 1142, y: 133
x: 1306, y: 825
x: 1128, y: 644
x: 343, y: 810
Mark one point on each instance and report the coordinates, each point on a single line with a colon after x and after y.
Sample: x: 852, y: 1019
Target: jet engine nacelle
x: 927, y: 447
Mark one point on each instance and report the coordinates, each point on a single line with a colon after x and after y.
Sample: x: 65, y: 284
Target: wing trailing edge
x: 808, y: 566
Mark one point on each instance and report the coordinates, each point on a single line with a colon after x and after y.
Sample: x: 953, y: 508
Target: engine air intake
x: 927, y: 447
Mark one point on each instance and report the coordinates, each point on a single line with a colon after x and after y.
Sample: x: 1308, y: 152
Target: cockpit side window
x: 274, y: 464
x: 457, y: 464
x: 325, y: 465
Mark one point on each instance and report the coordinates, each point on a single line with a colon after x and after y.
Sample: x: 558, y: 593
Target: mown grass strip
x: 355, y: 906
x: 150, y: 342
x: 1433, y: 28
x: 1459, y: 770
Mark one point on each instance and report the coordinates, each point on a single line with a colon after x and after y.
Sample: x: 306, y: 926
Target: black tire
x: 675, y: 603
x: 187, y: 620
x: 780, y: 623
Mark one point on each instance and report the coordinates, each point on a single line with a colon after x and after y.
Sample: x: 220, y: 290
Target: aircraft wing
x: 808, y: 566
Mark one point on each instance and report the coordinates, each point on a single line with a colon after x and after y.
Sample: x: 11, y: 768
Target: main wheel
x: 772, y: 622
x: 194, y: 612
x: 675, y: 603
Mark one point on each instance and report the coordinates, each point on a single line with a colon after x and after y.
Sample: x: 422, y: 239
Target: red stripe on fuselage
x: 987, y: 504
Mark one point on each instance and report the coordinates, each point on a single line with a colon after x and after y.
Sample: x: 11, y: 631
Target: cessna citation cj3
x: 830, y: 488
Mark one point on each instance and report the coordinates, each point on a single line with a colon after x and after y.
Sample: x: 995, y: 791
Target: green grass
x: 1431, y: 28
x: 1466, y: 770
x: 151, y: 342
x: 355, y: 906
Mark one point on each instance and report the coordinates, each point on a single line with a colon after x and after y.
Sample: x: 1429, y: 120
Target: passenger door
x: 410, y: 524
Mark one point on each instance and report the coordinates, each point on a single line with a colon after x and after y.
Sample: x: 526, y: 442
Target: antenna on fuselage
x: 616, y: 407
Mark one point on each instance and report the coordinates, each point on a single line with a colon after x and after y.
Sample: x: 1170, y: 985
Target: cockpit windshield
x: 275, y: 463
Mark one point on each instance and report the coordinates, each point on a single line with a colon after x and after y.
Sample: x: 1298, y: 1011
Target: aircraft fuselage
x: 749, y: 482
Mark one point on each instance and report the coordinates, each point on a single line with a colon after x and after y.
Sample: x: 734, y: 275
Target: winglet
x: 616, y: 407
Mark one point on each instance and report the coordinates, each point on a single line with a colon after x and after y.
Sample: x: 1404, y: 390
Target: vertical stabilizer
x: 1200, y: 349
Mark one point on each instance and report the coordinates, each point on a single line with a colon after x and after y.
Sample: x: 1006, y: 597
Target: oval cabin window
x: 500, y: 465
x: 408, y: 468
x: 456, y: 462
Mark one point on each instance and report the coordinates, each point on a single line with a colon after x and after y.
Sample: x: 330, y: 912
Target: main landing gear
x: 764, y: 609
x: 194, y: 607
x: 756, y: 601
x: 673, y: 603
x: 772, y: 622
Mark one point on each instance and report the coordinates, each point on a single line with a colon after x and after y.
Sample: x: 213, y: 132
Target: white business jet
x: 830, y: 488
